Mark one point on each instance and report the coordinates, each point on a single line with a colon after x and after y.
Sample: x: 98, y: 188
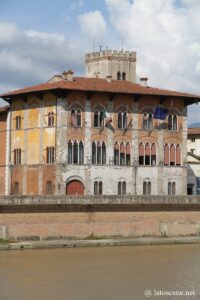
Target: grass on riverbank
x: 3, y: 242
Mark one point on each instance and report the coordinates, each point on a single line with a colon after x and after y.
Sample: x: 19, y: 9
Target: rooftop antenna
x: 100, y: 47
x: 122, y: 44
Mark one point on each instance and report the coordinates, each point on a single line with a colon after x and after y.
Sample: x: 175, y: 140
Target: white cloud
x: 29, y: 57
x: 166, y: 38
x: 93, y: 24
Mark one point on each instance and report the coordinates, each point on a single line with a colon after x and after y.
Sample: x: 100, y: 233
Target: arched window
x: 122, y: 154
x: 98, y: 118
x: 76, y: 117
x: 172, y: 155
x: 118, y: 75
x: 93, y: 153
x: 98, y: 153
x: 116, y: 154
x: 147, y: 154
x: 141, y: 154
x: 172, y: 122
x: 103, y: 153
x: 75, y: 152
x: 124, y: 125
x: 16, y: 188
x: 123, y: 76
x: 146, y: 187
x: 171, y: 188
x: 81, y: 153
x: 69, y: 152
x: 51, y: 119
x: 49, y: 187
x: 122, y: 120
x: 178, y: 155
x: 147, y: 121
x: 153, y: 154
x: 119, y: 120
x: 166, y: 155
x: 98, y: 188
x: 121, y: 187
x: 18, y: 123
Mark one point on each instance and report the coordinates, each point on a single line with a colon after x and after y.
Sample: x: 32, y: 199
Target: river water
x: 107, y: 273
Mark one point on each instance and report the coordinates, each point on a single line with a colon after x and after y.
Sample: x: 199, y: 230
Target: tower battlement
x: 110, y: 54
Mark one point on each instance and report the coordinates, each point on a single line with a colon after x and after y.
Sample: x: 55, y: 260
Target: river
x: 104, y: 273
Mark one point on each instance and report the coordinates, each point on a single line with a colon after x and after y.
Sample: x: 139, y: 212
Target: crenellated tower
x: 120, y: 65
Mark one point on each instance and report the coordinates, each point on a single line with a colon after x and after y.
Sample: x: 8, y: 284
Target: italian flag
x: 107, y: 117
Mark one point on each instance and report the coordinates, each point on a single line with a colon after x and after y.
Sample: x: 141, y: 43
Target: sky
x: 40, y: 38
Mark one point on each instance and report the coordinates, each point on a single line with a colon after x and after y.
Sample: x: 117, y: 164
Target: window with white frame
x: 171, y: 188
x: 98, y: 118
x: 98, y: 153
x: 146, y: 187
x: 122, y: 187
x: 18, y: 122
x: 98, y: 188
x: 122, y: 154
x: 147, y: 121
x: 75, y: 152
x: 147, y: 154
x: 76, y: 117
x: 51, y: 119
x: 172, y: 122
x: 122, y: 120
x: 17, y: 156
x: 172, y: 155
x: 50, y: 155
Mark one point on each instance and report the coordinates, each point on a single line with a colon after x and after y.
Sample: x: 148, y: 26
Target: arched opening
x: 75, y: 187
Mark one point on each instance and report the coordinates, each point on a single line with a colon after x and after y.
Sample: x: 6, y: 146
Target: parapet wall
x: 105, y: 219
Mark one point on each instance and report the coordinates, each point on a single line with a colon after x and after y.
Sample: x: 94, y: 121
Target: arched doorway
x: 75, y: 187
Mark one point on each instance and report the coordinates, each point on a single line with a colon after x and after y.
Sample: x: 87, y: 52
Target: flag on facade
x: 107, y: 117
x: 160, y: 113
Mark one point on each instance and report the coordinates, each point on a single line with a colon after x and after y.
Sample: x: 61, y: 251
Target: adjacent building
x: 193, y: 185
x: 3, y: 143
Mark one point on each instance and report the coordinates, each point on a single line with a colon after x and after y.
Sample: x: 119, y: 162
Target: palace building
x: 97, y: 134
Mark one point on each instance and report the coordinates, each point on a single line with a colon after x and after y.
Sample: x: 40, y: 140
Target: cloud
x: 166, y: 38
x: 93, y: 24
x: 29, y: 57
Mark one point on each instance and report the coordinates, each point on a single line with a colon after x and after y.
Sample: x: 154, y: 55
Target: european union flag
x: 160, y: 113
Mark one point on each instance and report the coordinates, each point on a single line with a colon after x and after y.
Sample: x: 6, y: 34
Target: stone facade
x: 33, y: 174
x: 3, y: 163
x: 119, y: 65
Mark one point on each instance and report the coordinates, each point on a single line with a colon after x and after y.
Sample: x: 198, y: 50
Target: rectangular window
x: 16, y: 188
x: 141, y: 160
x: 122, y: 159
x: 18, y: 123
x: 116, y: 157
x: 98, y: 188
x: 50, y: 156
x: 147, y: 160
x: 128, y: 159
x: 17, y: 157
x: 49, y: 188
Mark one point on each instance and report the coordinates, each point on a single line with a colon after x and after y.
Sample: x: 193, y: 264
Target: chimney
x: 109, y: 78
x: 143, y: 81
x: 68, y: 75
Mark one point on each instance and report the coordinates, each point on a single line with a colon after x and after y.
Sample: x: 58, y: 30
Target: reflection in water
x: 109, y: 273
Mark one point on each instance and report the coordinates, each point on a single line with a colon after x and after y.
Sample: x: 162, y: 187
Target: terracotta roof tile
x: 193, y: 131
x: 99, y: 85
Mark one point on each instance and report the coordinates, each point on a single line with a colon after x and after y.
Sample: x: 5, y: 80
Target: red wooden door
x: 74, y: 187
